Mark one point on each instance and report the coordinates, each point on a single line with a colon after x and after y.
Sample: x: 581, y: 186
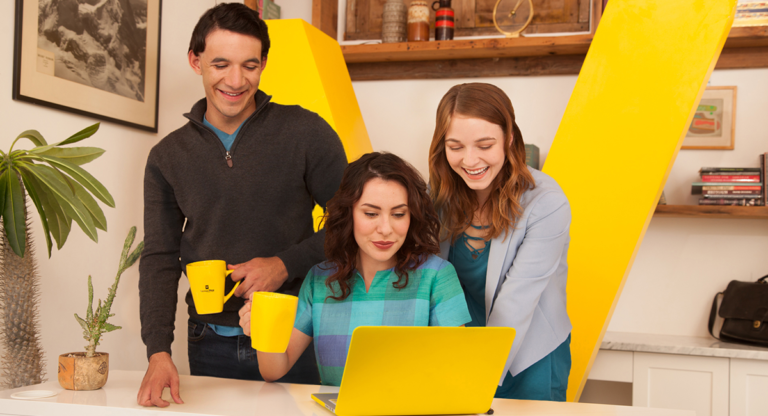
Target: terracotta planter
x: 78, y: 372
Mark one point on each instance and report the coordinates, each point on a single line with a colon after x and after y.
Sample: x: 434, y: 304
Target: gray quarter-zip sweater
x: 254, y: 201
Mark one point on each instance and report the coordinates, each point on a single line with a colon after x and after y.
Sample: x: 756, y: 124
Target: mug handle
x: 232, y: 292
x: 434, y: 3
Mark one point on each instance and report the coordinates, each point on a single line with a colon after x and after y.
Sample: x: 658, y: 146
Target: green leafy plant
x: 60, y: 189
x: 95, y: 323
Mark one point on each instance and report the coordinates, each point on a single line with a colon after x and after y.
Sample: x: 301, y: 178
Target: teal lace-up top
x: 471, y: 265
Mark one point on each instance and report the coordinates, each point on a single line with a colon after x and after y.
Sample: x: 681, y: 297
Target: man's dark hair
x: 234, y: 17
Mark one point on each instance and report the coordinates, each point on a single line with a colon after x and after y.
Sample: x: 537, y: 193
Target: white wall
x: 295, y: 9
x: 681, y: 263
x: 400, y: 115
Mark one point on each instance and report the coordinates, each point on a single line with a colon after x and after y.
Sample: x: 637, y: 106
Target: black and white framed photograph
x: 93, y: 57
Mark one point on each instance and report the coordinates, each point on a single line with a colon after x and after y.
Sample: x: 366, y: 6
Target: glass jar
x: 418, y: 21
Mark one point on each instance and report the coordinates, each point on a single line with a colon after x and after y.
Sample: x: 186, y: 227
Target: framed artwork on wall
x: 96, y: 58
x: 714, y: 122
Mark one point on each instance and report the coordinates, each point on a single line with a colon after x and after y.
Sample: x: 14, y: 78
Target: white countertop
x: 673, y: 344
x: 214, y: 396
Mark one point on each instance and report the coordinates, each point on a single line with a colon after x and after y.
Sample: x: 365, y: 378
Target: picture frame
x: 84, y: 60
x: 713, y: 125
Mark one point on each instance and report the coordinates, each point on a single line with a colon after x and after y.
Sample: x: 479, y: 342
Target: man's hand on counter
x: 161, y: 373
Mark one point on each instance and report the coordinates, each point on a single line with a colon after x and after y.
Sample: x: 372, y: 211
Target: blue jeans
x: 232, y: 357
x: 546, y: 379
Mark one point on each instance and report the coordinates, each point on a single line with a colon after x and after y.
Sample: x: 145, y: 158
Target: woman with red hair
x: 381, y: 237
x: 505, y: 230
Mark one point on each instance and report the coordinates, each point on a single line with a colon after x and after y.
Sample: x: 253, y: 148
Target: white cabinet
x: 612, y: 366
x: 749, y: 387
x: 681, y: 382
x: 711, y: 377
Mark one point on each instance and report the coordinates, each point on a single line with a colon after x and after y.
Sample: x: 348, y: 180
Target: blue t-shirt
x: 226, y: 139
x: 471, y: 267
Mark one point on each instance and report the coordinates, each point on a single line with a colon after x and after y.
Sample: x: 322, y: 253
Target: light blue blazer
x: 527, y: 275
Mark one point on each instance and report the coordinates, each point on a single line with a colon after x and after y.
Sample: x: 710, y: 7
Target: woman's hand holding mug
x: 245, y: 316
x: 271, y: 320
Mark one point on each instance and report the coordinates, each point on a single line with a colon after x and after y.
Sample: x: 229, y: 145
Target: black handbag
x: 744, y: 309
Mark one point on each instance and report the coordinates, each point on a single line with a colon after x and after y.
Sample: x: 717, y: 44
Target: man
x: 238, y: 183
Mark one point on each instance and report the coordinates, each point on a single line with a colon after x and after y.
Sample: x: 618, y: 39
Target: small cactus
x: 95, y: 323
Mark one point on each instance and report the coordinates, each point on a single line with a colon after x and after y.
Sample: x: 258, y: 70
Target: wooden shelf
x: 747, y: 37
x: 711, y: 211
x: 468, y: 49
x: 746, y: 47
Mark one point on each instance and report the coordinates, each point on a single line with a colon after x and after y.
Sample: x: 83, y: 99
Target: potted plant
x: 61, y: 192
x: 89, y: 370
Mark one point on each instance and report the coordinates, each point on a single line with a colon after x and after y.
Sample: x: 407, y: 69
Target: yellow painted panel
x: 343, y: 104
x: 644, y: 73
x: 306, y: 67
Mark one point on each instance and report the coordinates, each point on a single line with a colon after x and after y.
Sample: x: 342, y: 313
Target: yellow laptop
x: 420, y: 371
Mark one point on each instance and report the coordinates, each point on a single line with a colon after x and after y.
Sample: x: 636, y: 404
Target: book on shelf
x: 756, y: 196
x: 723, y: 201
x: 698, y: 187
x: 743, y: 187
x: 737, y: 192
x: 730, y: 171
x: 730, y: 178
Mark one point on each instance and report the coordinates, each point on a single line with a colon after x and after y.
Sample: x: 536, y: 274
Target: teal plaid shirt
x: 433, y: 297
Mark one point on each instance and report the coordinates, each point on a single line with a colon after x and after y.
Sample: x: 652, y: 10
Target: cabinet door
x: 681, y: 382
x: 749, y: 384
x: 612, y: 366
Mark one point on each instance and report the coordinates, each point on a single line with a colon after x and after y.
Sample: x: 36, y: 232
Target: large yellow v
x: 645, y: 71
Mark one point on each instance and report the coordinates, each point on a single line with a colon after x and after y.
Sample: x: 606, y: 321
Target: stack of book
x: 731, y: 186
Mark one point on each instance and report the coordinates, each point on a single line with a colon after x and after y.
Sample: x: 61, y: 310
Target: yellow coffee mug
x: 206, y: 281
x: 272, y: 316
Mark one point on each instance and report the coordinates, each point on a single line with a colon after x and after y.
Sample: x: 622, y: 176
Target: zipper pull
x: 229, y: 159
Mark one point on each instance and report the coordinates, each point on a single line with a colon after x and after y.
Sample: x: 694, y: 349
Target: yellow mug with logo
x: 272, y: 317
x: 206, y: 282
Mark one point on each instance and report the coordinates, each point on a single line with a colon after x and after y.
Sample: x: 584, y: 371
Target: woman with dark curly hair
x: 381, y: 241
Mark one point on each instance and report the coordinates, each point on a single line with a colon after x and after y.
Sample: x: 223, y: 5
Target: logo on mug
x: 207, y: 289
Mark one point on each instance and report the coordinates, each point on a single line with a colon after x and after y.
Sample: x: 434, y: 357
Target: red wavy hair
x: 452, y: 198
